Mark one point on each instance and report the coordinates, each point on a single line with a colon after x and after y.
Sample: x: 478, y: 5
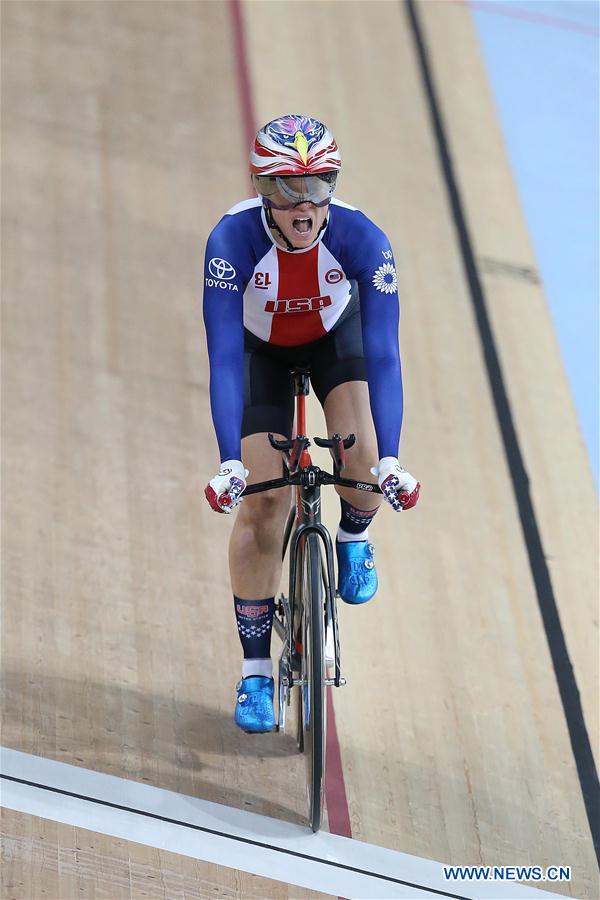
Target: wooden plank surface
x: 555, y: 455
x: 123, y: 146
x: 48, y: 859
x: 449, y: 668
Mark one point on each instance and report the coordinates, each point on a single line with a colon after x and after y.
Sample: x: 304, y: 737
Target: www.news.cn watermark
x: 507, y: 873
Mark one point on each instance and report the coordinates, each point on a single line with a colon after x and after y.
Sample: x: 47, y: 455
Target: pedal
x: 329, y: 646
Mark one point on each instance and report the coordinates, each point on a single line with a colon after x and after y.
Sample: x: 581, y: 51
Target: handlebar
x: 292, y: 450
x: 322, y: 477
x: 337, y: 447
x: 347, y: 442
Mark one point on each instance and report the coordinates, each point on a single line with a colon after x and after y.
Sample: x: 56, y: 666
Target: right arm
x: 224, y: 323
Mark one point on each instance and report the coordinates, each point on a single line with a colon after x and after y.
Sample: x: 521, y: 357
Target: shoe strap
x: 252, y: 683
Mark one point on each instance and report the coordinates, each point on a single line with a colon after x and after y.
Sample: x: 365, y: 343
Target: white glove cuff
x: 386, y: 466
x: 234, y: 468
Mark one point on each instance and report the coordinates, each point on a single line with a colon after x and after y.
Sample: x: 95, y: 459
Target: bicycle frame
x: 306, y: 513
x: 307, y: 538
x: 305, y: 517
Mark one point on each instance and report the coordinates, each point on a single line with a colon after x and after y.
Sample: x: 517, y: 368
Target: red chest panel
x: 299, y: 321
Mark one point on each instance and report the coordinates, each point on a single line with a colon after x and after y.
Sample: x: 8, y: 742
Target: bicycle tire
x: 313, y: 673
x: 296, y: 625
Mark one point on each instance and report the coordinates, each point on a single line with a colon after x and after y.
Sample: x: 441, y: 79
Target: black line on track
x: 232, y: 837
x: 563, y: 668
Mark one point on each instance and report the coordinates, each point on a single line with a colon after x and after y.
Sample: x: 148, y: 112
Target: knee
x: 360, y: 459
x: 261, y: 519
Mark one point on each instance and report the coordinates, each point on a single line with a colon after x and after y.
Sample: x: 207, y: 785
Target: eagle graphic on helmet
x: 294, y: 145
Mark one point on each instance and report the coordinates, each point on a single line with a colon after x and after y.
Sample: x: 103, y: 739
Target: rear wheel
x: 313, y: 714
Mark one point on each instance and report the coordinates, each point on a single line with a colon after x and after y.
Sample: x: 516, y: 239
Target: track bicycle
x: 306, y: 620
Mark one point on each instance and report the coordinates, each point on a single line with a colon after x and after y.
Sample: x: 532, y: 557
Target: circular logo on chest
x: 334, y: 276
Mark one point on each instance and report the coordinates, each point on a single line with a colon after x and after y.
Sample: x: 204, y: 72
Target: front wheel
x: 313, y: 676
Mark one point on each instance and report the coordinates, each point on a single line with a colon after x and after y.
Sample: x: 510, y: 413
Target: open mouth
x: 303, y: 225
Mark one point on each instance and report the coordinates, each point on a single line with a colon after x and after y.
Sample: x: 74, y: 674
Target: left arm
x: 380, y: 314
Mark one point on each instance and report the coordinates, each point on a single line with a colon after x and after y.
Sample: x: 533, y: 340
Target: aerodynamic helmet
x: 294, y: 145
x: 295, y: 158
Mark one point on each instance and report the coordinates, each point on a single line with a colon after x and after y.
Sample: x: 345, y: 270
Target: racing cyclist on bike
x: 295, y: 277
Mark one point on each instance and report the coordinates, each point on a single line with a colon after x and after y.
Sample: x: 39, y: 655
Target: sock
x: 257, y: 667
x: 255, y: 622
x: 354, y: 523
x: 343, y: 537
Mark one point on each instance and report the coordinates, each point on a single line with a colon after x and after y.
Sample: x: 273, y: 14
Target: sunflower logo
x: 385, y: 279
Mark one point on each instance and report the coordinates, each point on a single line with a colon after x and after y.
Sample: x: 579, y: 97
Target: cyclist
x: 296, y: 277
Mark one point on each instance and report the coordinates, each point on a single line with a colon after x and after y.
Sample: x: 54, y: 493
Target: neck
x: 280, y: 238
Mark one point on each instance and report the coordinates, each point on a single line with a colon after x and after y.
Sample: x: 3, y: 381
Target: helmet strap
x: 275, y: 227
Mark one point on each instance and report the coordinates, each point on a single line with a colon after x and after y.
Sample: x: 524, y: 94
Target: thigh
x: 268, y: 391
x: 348, y: 411
x: 338, y: 358
x: 268, y: 407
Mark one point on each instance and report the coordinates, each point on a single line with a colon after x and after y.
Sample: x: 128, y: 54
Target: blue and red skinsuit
x: 291, y: 298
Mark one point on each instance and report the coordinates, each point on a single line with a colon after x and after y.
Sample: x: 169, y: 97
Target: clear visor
x: 286, y: 191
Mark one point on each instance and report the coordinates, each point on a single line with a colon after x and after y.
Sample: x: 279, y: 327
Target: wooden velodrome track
x: 124, y: 140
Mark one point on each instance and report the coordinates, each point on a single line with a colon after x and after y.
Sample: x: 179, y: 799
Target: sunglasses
x: 284, y: 206
x: 293, y: 190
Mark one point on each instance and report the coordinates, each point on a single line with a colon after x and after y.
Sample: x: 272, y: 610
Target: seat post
x: 301, y: 381
x: 301, y: 390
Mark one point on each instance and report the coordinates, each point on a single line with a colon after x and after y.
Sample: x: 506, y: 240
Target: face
x: 298, y: 204
x: 300, y: 224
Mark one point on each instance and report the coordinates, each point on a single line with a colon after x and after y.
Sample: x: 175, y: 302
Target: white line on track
x: 230, y: 837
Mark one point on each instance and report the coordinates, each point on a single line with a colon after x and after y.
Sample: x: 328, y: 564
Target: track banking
x: 507, y: 873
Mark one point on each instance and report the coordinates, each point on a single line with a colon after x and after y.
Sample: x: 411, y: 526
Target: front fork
x: 309, y: 517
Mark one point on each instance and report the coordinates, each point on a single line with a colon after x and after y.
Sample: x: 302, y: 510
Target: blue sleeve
x: 375, y: 272
x: 225, y: 279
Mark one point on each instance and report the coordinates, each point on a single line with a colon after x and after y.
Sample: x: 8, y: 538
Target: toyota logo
x: 221, y: 269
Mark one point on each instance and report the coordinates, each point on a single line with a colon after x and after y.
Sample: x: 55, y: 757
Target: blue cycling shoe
x: 254, y: 707
x: 357, y: 578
